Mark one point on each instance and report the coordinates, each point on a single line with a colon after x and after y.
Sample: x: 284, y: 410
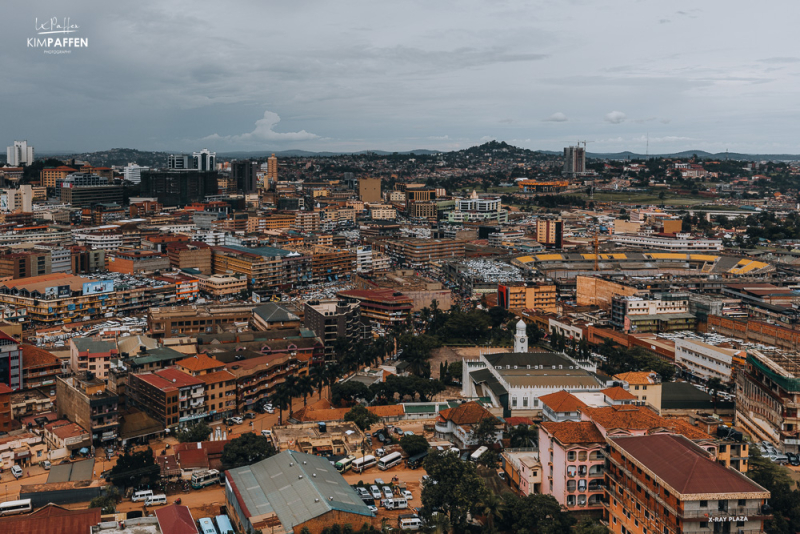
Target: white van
x: 156, y: 500
x: 16, y: 470
x: 142, y: 495
x: 410, y: 523
x: 397, y: 503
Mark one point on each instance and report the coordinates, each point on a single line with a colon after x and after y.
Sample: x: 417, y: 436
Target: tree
x: 280, y: 399
x: 290, y: 387
x: 348, y: 392
x: 363, y: 418
x: 489, y: 459
x: 590, y: 526
x: 455, y: 370
x: 247, y: 449
x: 414, y: 444
x: 135, y: 468
x: 784, y: 499
x: 492, y: 507
x: 197, y: 432
x: 485, y: 433
x: 523, y: 436
x: 458, y: 489
x: 305, y: 387
x: 317, y: 375
x: 106, y: 502
x: 536, y: 513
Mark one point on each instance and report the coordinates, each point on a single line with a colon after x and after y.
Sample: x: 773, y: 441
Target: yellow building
x: 540, y: 297
x: 221, y: 285
x: 49, y: 175
x: 645, y: 386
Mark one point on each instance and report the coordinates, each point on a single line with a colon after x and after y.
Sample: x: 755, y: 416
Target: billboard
x: 101, y: 286
x: 57, y: 291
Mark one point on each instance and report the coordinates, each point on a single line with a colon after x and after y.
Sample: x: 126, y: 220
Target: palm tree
x: 305, y: 387
x: 317, y: 376
x: 332, y: 373
x: 290, y: 386
x: 492, y: 506
x: 280, y: 398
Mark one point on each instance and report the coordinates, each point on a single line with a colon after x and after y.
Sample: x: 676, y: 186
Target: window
x: 703, y: 524
x: 740, y: 523
x: 742, y: 502
x: 703, y: 504
x: 524, y: 402
x: 513, y: 402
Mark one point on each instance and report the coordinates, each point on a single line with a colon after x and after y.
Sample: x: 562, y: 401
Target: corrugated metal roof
x: 295, y: 486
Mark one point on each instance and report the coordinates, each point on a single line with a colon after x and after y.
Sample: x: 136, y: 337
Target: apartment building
x: 646, y: 387
x: 170, y: 396
x: 384, y: 307
x: 572, y: 456
x: 11, y: 362
x: 539, y: 297
x: 220, y: 285
x: 307, y: 221
x: 550, y: 232
x: 6, y: 414
x: 196, y: 319
x: 136, y: 261
x: 220, y: 384
x: 706, y: 361
x: 263, y: 267
x: 84, y: 399
x: 667, y: 313
x: 91, y: 354
x: 191, y: 255
x: 456, y: 424
x: 330, y: 319
x: 39, y: 367
x: 666, y: 484
x: 415, y: 252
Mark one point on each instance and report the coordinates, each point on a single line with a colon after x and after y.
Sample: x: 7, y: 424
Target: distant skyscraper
x: 19, y: 154
x: 133, y: 173
x: 179, y: 161
x: 550, y: 232
x: 574, y: 161
x: 245, y: 175
x: 272, y: 169
x: 204, y: 160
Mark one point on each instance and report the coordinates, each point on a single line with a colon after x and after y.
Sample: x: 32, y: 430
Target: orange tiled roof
x: 618, y: 393
x: 562, y: 401
x: 469, y: 413
x: 200, y: 362
x: 632, y: 417
x: 216, y: 377
x: 637, y: 377
x: 573, y: 432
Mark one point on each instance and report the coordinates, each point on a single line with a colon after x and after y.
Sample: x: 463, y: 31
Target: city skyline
x: 358, y: 76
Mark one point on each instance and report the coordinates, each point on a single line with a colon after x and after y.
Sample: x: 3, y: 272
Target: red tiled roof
x: 685, y: 467
x: 4, y: 389
x: 175, y: 519
x: 33, y: 356
x: 562, y: 401
x: 191, y: 458
x: 632, y: 417
x: 516, y: 421
x: 52, y: 519
x: 216, y: 377
x: 573, y: 432
x: 618, y: 393
x: 469, y: 413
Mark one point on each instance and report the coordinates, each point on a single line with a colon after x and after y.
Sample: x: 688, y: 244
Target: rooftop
x: 295, y: 487
x: 52, y: 519
x: 562, y: 401
x: 574, y: 432
x: 699, y: 476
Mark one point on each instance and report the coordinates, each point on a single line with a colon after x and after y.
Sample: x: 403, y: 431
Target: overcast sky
x: 349, y: 75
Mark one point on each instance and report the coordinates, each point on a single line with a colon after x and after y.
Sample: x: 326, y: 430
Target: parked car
x: 380, y: 453
x: 16, y: 471
x: 372, y: 508
x: 794, y: 459
x: 235, y: 421
x: 376, y: 493
x: 407, y: 495
x: 46, y: 465
x: 266, y: 433
x: 379, y: 482
x: 249, y: 415
x: 387, y: 492
x: 398, y: 431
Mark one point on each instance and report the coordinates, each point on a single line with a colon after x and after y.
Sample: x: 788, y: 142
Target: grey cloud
x: 556, y: 117
x: 264, y: 131
x: 615, y: 117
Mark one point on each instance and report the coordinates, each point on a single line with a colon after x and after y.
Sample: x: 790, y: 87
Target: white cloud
x: 487, y: 138
x: 556, y: 117
x: 264, y: 131
x: 438, y: 137
x: 616, y: 117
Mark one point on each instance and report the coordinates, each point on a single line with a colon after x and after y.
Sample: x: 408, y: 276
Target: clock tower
x: 521, y: 337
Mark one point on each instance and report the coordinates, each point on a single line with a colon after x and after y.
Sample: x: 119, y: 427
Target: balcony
x: 733, y: 511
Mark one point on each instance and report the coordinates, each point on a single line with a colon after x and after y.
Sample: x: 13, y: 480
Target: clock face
x: 522, y: 339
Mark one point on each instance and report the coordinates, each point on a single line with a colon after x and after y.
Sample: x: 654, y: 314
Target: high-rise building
x: 179, y: 161
x: 20, y: 199
x: 245, y: 175
x: 272, y: 170
x: 574, y: 161
x: 204, y: 160
x: 173, y: 188
x: 133, y: 173
x: 19, y: 154
x: 369, y: 189
x: 550, y: 232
